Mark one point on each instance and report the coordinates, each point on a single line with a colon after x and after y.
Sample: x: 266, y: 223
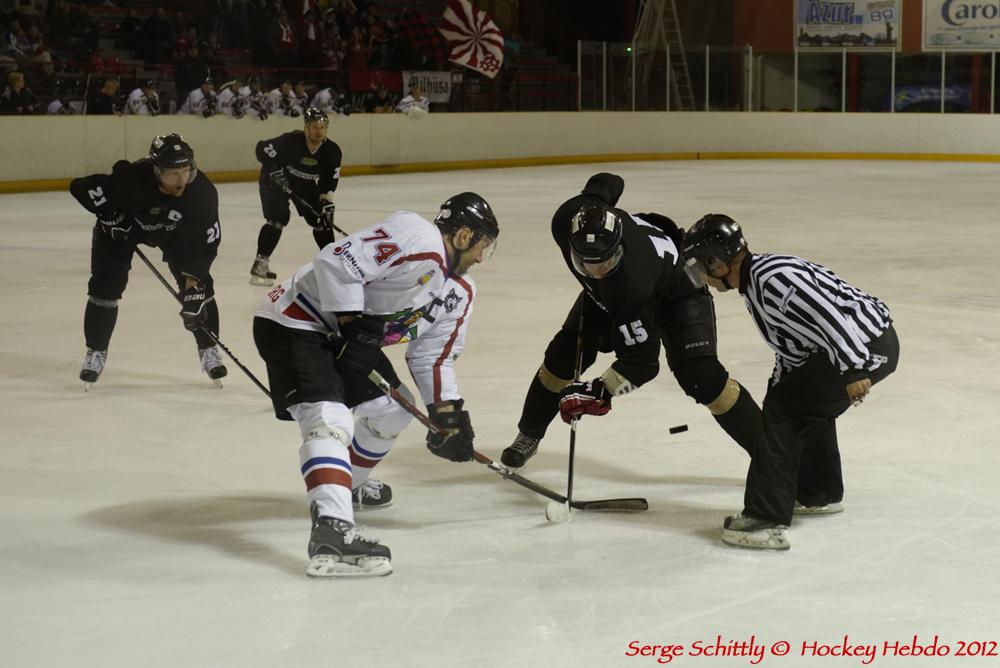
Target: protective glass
x: 597, y: 269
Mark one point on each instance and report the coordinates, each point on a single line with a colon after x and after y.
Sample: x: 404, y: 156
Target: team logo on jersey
x: 309, y: 161
x: 426, y: 277
x: 451, y: 301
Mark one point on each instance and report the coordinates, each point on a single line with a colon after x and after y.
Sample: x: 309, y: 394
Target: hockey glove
x: 584, y: 398
x: 362, y: 345
x: 456, y: 444
x: 326, y: 214
x: 193, y: 311
x: 115, y: 225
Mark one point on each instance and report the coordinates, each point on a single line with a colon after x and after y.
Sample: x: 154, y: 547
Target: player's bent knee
x: 324, y: 420
x: 550, y: 381
x: 277, y: 224
x: 705, y: 380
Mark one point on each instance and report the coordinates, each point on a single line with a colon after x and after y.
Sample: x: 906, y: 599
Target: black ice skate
x: 260, y: 273
x: 93, y: 365
x: 211, y: 363
x: 754, y: 534
x: 517, y: 454
x: 336, y: 551
x: 372, y: 495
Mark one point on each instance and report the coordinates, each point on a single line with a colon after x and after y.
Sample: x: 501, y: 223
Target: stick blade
x: 635, y: 505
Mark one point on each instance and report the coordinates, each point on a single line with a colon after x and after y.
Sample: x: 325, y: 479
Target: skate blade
x: 366, y: 507
x: 87, y: 386
x: 828, y: 509
x: 262, y: 282
x: 756, y: 540
x: 328, y: 566
x: 217, y: 382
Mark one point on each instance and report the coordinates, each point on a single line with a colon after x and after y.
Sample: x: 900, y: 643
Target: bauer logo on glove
x: 584, y: 398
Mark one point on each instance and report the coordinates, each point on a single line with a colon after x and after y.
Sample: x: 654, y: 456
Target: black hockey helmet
x: 172, y: 152
x: 712, y: 242
x: 315, y: 115
x: 595, y: 239
x: 468, y: 210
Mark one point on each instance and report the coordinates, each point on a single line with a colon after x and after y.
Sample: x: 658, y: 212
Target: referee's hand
x: 858, y: 390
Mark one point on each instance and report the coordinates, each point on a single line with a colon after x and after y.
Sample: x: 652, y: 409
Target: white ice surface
x: 160, y: 522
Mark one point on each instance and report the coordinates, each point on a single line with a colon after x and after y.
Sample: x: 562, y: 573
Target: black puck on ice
x: 679, y: 429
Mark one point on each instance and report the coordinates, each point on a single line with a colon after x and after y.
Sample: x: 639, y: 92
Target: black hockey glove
x: 279, y: 179
x: 326, y: 214
x: 193, y: 311
x: 362, y: 345
x: 115, y: 225
x: 584, y: 398
x: 456, y: 445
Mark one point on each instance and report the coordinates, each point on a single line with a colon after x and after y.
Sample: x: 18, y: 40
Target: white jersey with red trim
x: 397, y: 271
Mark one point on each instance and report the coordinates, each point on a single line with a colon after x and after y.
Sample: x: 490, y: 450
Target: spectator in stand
x: 357, y: 51
x: 184, y: 42
x: 159, y: 36
x: 129, y: 34
x: 414, y: 103
x: 379, y: 102
x: 144, y: 100
x: 17, y: 99
x: 104, y: 102
x: 311, y: 40
x: 191, y: 71
x: 281, y: 39
x: 10, y: 43
x: 36, y: 50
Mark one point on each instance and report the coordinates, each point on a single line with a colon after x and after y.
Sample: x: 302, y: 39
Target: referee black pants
x: 798, y: 457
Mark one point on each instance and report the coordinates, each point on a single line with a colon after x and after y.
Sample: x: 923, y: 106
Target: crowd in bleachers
x: 148, y: 56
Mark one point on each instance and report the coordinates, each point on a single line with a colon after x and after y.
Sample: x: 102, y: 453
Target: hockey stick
x: 210, y: 333
x: 285, y: 188
x: 623, y: 505
x: 576, y: 419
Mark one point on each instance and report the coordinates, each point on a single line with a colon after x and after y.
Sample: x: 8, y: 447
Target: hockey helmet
x: 171, y: 152
x: 470, y: 210
x: 315, y: 115
x: 595, y: 239
x: 710, y: 246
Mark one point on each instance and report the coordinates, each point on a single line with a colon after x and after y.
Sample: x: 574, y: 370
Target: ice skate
x: 831, y: 508
x: 337, y: 551
x: 93, y: 365
x: 754, y: 534
x: 211, y: 363
x: 517, y: 454
x: 372, y: 495
x: 260, y: 273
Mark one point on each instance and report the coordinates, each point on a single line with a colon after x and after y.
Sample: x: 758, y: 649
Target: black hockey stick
x: 285, y: 188
x: 622, y: 505
x: 210, y: 333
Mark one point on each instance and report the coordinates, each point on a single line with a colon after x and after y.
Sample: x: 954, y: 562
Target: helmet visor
x: 175, y: 177
x: 591, y: 269
x: 696, y: 272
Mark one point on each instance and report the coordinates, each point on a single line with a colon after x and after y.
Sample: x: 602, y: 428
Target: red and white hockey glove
x: 584, y: 398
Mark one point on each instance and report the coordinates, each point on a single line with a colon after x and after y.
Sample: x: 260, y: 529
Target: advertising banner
x: 435, y: 85
x: 961, y: 25
x: 855, y: 24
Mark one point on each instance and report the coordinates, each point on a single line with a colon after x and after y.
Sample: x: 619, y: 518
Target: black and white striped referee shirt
x: 803, y: 308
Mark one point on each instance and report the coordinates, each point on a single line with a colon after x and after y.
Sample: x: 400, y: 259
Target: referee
x: 832, y: 342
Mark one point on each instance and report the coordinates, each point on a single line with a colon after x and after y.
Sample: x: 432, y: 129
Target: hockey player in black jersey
x: 161, y: 201
x: 307, y: 163
x: 635, y: 296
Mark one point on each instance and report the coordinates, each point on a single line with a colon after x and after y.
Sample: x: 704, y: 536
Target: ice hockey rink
x: 159, y: 522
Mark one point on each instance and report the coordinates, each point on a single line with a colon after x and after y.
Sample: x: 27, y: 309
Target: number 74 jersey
x: 396, y: 271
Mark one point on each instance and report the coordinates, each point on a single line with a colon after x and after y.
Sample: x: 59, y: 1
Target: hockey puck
x: 556, y: 512
x: 679, y: 429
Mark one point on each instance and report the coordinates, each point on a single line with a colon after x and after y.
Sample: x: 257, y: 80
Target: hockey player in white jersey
x: 320, y: 334
x: 229, y: 102
x: 144, y: 100
x: 282, y: 100
x: 201, y: 100
x: 330, y: 101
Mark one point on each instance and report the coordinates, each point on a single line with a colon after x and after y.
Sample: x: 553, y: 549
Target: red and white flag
x: 475, y: 40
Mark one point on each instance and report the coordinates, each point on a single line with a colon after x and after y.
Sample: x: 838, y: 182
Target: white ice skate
x: 211, y: 363
x: 93, y: 365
